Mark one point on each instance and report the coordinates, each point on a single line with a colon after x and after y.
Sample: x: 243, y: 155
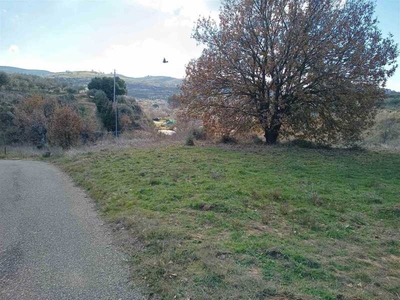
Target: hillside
x: 392, y: 102
x: 28, y: 103
x: 149, y: 87
x: 13, y: 70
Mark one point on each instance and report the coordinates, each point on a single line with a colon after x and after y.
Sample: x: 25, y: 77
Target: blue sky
x: 132, y: 36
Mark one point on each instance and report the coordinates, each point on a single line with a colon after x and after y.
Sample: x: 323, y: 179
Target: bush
x: 88, y: 131
x: 389, y: 129
x: 65, y: 127
x: 66, y: 99
x: 226, y: 139
x: 198, y: 133
x: 257, y: 140
x: 189, y: 140
x: 33, y: 115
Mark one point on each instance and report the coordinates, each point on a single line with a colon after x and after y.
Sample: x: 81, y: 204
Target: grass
x: 284, y: 223
x: 27, y: 152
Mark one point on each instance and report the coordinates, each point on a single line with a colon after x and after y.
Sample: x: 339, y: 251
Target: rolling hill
x: 149, y: 87
x: 13, y: 70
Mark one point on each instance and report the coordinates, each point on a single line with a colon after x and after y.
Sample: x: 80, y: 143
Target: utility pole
x: 116, y: 110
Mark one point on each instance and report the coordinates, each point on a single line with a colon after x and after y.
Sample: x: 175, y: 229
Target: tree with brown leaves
x: 299, y: 68
x: 65, y: 127
x: 33, y: 116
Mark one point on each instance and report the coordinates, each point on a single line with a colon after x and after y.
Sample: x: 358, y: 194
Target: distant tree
x: 131, y: 115
x: 106, y: 84
x: 3, y: 79
x: 303, y: 68
x: 66, y: 99
x: 65, y: 127
x: 173, y: 101
x: 71, y: 90
x: 105, y: 110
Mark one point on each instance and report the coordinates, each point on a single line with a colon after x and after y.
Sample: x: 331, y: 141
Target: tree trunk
x: 271, y: 136
x: 43, y: 137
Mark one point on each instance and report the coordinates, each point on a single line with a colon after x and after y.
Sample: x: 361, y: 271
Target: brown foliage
x: 308, y: 69
x: 65, y: 127
x: 33, y: 116
x: 125, y: 122
x: 88, y: 131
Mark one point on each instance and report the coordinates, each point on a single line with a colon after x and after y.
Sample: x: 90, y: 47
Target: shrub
x: 33, y: 115
x: 189, y: 140
x: 88, y: 131
x: 257, y: 140
x: 389, y: 129
x: 65, y: 127
x: 226, y: 139
x: 66, y: 99
x: 198, y: 133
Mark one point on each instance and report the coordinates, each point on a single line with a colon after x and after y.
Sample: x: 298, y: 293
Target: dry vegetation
x: 385, y: 134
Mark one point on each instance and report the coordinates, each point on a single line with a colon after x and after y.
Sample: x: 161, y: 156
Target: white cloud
x: 142, y: 58
x: 13, y: 49
x: 393, y: 85
x: 169, y: 39
x: 142, y: 53
x: 189, y: 9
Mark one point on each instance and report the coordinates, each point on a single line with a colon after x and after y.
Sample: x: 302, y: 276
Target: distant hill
x: 391, y: 92
x: 12, y: 70
x: 149, y: 87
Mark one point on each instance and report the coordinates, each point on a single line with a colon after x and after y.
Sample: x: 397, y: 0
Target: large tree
x: 304, y: 68
x: 106, y: 84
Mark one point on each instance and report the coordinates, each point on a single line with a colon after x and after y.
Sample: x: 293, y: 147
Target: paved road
x: 52, y: 244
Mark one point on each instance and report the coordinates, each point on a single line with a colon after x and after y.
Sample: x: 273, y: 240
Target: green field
x: 272, y: 223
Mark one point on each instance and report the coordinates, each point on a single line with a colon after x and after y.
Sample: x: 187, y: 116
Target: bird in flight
x: 165, y: 61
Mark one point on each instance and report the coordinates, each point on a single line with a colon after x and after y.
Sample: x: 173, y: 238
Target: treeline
x: 36, y: 84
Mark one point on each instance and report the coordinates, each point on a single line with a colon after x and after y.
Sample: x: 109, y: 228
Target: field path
x: 52, y: 243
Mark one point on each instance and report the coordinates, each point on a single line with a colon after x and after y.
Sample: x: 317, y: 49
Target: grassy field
x: 273, y: 223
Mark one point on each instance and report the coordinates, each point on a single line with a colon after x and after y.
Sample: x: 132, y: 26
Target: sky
x: 131, y: 36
